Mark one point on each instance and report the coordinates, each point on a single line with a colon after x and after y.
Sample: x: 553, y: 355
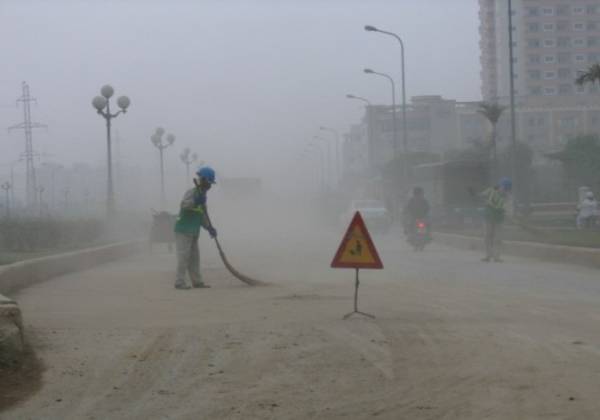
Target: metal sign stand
x: 356, y: 311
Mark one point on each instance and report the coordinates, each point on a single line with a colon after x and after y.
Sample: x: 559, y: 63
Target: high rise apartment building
x: 553, y: 40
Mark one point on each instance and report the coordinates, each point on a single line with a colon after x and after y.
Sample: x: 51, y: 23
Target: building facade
x: 553, y: 40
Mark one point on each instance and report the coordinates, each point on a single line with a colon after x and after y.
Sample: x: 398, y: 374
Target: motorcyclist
x: 417, y: 208
x: 588, y: 211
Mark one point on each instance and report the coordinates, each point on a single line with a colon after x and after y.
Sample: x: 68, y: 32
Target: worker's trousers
x: 493, y: 239
x: 188, y: 259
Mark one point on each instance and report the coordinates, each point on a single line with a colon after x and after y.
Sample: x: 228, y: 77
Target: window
x: 592, y: 41
x: 579, y: 26
x: 579, y: 89
x: 534, y: 59
x: 533, y: 27
x: 563, y: 42
x: 549, y: 75
x: 564, y: 74
x: 535, y: 90
x: 534, y: 43
x: 535, y: 74
x: 532, y: 11
x: 549, y: 59
x: 562, y: 10
x: 579, y: 42
x: 548, y: 27
x: 580, y: 58
x: 565, y: 89
x: 578, y: 10
x: 592, y: 9
x: 592, y: 26
x: 593, y: 57
x: 550, y: 91
x: 549, y: 43
x: 562, y: 25
x: 548, y: 11
x: 564, y: 58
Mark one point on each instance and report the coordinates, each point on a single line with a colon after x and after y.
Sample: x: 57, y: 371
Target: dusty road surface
x: 454, y: 338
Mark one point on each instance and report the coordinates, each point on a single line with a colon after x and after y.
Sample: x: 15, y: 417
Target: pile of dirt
x: 20, y: 370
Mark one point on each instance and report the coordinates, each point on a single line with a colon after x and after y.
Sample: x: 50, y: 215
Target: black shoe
x: 182, y: 287
x: 201, y: 286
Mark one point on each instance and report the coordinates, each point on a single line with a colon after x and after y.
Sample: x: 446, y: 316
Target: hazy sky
x: 244, y: 83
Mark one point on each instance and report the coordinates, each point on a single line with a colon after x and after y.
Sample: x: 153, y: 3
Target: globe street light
x: 337, y: 149
x: 102, y: 105
x: 369, y: 107
x: 371, y: 28
x: 187, y: 157
x: 157, y: 141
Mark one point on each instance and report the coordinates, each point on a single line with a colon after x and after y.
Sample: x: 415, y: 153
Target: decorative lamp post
x: 187, y: 157
x: 157, y: 141
x: 102, y: 106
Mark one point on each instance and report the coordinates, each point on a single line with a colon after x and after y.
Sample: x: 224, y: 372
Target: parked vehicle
x: 376, y: 216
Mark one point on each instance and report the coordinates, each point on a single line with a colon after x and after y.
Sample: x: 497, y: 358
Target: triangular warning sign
x: 357, y: 249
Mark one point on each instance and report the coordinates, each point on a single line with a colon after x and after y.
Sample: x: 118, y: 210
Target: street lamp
x: 369, y: 107
x: 157, y: 141
x: 6, y: 187
x: 187, y: 157
x: 370, y: 28
x: 314, y: 146
x: 102, y: 105
x: 337, y: 149
x: 395, y: 123
x: 328, y: 158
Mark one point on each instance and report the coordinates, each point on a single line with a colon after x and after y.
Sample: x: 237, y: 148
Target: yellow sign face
x: 357, y: 249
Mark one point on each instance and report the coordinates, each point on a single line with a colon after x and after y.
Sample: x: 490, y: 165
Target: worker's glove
x: 212, y: 232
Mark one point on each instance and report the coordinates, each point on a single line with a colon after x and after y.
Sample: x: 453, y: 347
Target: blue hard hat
x: 207, y: 173
x: 506, y: 183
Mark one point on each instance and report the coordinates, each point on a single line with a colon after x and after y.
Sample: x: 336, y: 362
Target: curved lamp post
x: 102, y: 106
x: 371, y: 28
x: 395, y: 120
x: 157, y: 141
x: 369, y: 107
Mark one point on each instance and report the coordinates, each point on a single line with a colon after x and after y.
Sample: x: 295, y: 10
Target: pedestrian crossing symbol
x: 357, y: 249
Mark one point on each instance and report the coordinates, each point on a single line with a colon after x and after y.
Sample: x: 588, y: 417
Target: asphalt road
x: 453, y: 338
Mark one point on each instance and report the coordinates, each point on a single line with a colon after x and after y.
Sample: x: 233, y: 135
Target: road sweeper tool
x: 248, y: 280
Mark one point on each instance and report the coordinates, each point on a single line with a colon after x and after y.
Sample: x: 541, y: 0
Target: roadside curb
x: 21, y: 274
x: 555, y: 253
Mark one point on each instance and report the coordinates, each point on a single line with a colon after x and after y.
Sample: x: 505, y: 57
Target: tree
x: 492, y: 112
x: 592, y: 75
x: 580, y: 158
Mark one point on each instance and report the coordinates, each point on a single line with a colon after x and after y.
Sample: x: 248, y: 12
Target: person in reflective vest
x: 192, y: 217
x: 494, y: 213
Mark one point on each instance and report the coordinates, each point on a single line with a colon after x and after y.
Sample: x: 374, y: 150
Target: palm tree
x: 492, y: 112
x: 592, y: 75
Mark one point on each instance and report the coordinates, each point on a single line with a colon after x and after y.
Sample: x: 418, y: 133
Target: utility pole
x: 513, y: 121
x: 27, y: 125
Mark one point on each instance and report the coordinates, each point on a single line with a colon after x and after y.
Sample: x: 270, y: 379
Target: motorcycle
x: 419, y: 237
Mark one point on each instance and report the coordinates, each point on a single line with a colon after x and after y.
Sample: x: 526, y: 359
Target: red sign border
x: 357, y: 222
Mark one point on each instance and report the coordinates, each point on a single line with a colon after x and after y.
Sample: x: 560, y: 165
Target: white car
x: 376, y: 216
